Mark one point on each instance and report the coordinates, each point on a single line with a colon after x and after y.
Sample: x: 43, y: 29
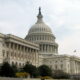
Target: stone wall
x: 57, y: 79
x: 4, y: 78
x: 7, y: 78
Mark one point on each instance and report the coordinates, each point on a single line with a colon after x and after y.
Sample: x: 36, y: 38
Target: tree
x: 6, y: 70
x: 59, y: 74
x: 44, y: 70
x: 15, y: 69
x: 32, y: 70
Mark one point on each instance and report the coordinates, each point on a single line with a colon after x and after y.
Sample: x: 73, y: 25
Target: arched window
x: 19, y: 64
x: 16, y: 63
x: 56, y: 67
x: 12, y: 63
x: 23, y: 64
x: 15, y: 54
x: 61, y: 66
x: 3, y: 53
x: 7, y: 54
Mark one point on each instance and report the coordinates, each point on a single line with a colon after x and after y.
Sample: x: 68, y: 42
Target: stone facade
x: 38, y: 47
x: 66, y: 63
x: 18, y: 51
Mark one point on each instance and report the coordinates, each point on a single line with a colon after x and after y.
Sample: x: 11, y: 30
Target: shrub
x: 59, y: 74
x: 31, y: 69
x: 22, y: 74
x: 44, y: 70
x: 7, y: 70
x: 46, y: 77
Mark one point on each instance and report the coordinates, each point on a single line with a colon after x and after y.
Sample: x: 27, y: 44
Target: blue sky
x: 63, y: 17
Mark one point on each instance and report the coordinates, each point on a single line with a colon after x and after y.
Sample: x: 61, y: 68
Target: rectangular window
x: 7, y: 55
x: 61, y: 66
x: 3, y: 53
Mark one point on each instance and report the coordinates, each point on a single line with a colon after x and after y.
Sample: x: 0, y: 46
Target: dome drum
x: 41, y: 38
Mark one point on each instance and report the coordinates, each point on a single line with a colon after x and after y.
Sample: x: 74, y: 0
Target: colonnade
x: 41, y: 37
x: 77, y: 67
x: 19, y: 53
x: 74, y: 66
x: 18, y: 47
x: 48, y: 48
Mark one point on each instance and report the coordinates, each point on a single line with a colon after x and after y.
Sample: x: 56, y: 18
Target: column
x: 23, y: 53
x: 17, y: 47
x: 17, y: 50
x: 8, y: 53
x: 27, y: 53
x: 45, y: 48
x: 78, y: 66
x: 74, y: 64
x: 36, y: 58
x: 9, y: 47
x: 13, y: 46
x: 50, y: 49
x: 20, y: 52
x: 55, y: 49
x: 42, y: 47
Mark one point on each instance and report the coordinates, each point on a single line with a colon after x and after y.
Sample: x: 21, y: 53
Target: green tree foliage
x: 6, y: 70
x: 44, y: 70
x: 15, y: 69
x: 59, y: 74
x: 32, y: 70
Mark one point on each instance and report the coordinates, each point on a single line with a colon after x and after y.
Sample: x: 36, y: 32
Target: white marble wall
x: 65, y: 63
x: 1, y: 49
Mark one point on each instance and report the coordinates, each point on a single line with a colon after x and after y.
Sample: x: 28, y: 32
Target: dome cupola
x: 40, y: 26
x: 39, y: 15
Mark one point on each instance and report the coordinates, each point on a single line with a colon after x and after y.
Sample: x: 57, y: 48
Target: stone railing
x: 58, y: 79
x: 7, y: 78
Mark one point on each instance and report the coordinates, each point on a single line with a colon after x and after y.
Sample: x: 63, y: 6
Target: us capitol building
x: 38, y: 48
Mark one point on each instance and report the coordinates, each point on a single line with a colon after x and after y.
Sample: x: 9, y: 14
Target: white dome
x: 40, y: 27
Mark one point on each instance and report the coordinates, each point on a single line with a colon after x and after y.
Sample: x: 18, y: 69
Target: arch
x: 16, y: 64
x: 19, y: 64
x: 12, y: 63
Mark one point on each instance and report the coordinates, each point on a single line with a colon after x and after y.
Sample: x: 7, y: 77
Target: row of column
x: 32, y: 38
x: 22, y: 50
x: 48, y: 48
x: 77, y: 67
x: 74, y: 67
